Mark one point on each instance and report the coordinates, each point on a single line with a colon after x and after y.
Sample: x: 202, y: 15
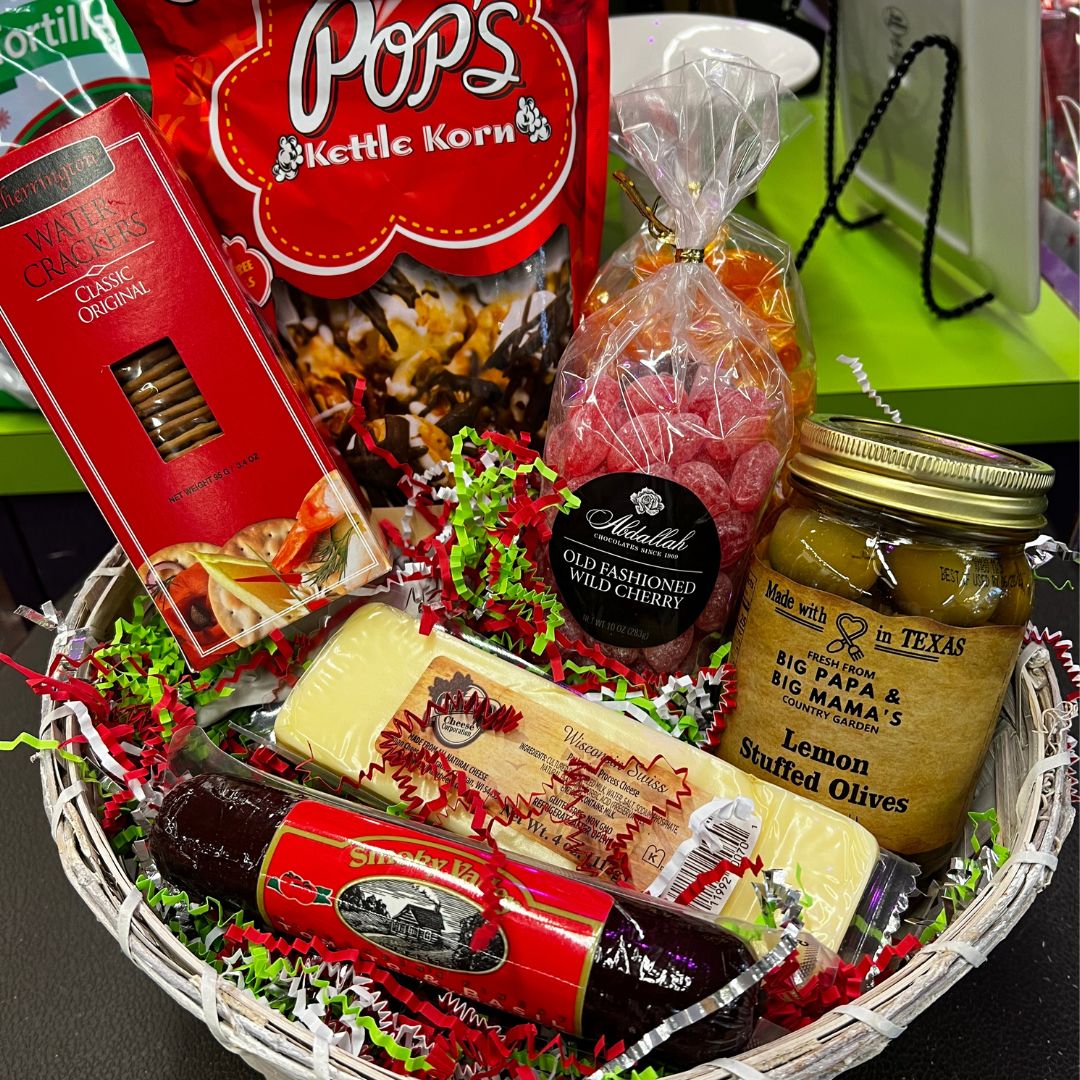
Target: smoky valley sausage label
x: 414, y: 904
x: 843, y: 705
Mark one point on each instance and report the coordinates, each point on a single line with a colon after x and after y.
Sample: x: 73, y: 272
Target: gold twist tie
x: 664, y: 233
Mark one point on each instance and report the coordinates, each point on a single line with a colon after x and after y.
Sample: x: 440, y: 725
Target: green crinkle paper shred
x: 967, y: 880
x: 275, y: 981
x: 503, y: 495
x: 483, y: 566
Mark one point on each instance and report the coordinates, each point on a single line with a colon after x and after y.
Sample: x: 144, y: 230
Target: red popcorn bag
x: 417, y: 186
x: 671, y: 412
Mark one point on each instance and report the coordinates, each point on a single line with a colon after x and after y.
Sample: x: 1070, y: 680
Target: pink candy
x: 735, y: 531
x: 581, y: 481
x: 600, y: 390
x: 664, y: 472
x: 576, y: 632
x: 606, y: 396
x: 746, y: 405
x: 651, y: 393
x: 624, y: 655
x: 753, y: 475
x: 718, y: 607
x: 573, y: 629
x: 667, y: 657
x: 707, y: 484
x: 656, y: 439
x: 703, y: 392
x: 741, y: 420
x: 575, y: 447
x: 711, y: 438
x: 722, y: 453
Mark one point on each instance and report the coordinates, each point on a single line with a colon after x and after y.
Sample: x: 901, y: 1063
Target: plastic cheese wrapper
x: 672, y: 413
x: 570, y: 782
x: 417, y: 186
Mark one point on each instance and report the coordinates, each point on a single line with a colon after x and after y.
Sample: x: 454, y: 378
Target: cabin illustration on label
x: 420, y: 922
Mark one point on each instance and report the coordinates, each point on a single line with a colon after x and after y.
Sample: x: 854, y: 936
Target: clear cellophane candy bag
x: 672, y: 412
x: 756, y: 268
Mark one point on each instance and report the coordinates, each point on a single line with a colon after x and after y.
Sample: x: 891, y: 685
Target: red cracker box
x: 145, y: 356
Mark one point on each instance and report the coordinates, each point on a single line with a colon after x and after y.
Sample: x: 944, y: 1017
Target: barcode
x: 734, y: 844
x: 699, y: 861
x: 734, y: 840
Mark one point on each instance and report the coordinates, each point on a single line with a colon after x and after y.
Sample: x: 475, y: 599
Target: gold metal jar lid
x: 911, y: 472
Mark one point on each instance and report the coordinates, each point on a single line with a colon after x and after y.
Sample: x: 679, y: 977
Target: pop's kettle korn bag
x: 418, y: 187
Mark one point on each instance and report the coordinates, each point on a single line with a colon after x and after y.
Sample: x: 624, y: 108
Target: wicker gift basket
x: 1032, y: 790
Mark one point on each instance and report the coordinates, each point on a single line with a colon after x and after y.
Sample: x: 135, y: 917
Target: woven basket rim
x: 268, y: 1041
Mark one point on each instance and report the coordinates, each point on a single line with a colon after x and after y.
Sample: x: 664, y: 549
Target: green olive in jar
x: 1018, y: 584
x: 823, y: 553
x: 935, y: 582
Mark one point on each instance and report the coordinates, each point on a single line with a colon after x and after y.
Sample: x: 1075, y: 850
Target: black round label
x: 636, y: 562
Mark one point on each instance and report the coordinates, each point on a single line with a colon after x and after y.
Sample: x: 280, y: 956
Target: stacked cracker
x: 166, y: 399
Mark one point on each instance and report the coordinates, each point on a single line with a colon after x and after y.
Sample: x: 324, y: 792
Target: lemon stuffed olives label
x: 885, y: 718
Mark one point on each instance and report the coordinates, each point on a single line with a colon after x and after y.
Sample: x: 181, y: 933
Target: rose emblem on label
x: 381, y: 106
x: 647, y: 501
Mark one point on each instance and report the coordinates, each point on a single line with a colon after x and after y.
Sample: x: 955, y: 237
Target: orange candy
x: 755, y: 280
x: 803, y: 392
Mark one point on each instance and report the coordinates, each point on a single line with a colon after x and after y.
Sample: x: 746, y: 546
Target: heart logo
x: 850, y: 628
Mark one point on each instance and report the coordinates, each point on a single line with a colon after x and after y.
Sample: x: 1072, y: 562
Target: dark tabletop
x: 72, y: 1008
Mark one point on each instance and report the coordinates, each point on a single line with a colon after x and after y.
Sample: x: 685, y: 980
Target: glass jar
x: 880, y: 623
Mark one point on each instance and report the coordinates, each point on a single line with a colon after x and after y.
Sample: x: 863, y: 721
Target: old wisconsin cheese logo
x: 352, y: 121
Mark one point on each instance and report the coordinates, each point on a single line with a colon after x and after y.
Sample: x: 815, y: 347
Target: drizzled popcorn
x: 435, y: 353
x: 423, y: 246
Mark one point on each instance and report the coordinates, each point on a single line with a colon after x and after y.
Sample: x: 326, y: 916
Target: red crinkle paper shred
x: 456, y: 1034
x: 793, y: 1006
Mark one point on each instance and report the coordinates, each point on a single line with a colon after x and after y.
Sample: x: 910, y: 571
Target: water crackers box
x: 143, y: 351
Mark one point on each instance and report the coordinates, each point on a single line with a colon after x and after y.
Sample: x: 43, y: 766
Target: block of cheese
x: 595, y: 787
